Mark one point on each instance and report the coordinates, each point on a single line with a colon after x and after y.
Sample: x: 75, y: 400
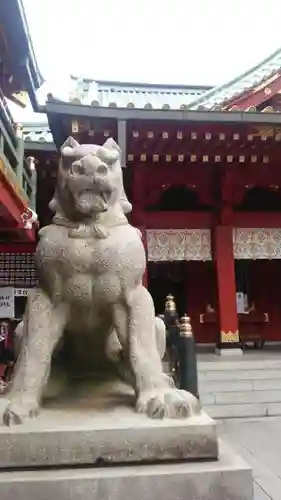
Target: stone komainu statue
x: 91, y: 263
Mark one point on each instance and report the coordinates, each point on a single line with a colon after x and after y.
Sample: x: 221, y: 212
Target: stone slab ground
x: 258, y: 441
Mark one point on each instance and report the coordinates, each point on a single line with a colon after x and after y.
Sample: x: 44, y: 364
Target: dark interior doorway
x: 260, y: 199
x: 165, y: 278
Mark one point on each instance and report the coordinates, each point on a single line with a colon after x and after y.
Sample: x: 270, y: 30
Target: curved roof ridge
x: 208, y: 98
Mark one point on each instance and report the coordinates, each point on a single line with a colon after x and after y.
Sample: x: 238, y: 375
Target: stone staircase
x: 248, y: 386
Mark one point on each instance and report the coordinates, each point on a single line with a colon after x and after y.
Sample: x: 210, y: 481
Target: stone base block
x: 228, y: 478
x: 92, y: 427
x: 229, y: 352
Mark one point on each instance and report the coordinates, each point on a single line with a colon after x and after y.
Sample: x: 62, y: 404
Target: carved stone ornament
x: 90, y: 309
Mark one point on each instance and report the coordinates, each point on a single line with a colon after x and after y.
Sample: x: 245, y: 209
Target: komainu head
x: 90, y: 180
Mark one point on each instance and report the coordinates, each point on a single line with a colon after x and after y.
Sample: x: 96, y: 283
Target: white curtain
x: 257, y: 243
x: 178, y: 244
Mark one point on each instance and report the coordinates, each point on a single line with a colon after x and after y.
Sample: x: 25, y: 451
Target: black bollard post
x: 172, y: 327
x: 187, y: 358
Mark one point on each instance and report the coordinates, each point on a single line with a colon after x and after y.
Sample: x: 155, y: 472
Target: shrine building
x: 202, y: 167
x: 19, y: 80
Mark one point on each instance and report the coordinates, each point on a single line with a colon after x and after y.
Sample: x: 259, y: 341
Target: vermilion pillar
x: 226, y: 287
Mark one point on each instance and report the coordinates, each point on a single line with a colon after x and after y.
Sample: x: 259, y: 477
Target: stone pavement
x: 258, y: 441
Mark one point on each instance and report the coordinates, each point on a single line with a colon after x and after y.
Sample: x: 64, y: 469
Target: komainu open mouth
x: 89, y: 200
x: 105, y: 195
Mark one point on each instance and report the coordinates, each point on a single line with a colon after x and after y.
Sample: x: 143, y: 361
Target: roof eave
x: 77, y: 110
x: 39, y: 146
x: 202, y: 99
x: 256, y: 97
x: 35, y: 74
x: 23, y: 60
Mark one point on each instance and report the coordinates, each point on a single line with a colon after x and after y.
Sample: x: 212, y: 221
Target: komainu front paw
x: 168, y: 403
x: 19, y: 411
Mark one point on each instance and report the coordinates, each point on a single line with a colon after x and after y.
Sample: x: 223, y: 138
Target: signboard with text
x: 21, y: 292
x: 7, y: 302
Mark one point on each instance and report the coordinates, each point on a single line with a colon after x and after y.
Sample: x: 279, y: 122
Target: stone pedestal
x: 93, y: 446
x: 229, y: 478
x: 229, y: 352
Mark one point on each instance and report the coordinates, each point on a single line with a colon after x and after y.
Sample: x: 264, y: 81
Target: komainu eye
x: 77, y: 169
x: 110, y: 161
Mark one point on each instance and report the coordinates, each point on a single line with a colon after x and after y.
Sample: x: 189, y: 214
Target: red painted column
x: 226, y: 287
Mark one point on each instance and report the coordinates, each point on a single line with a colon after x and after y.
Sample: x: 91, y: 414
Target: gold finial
x: 185, y: 327
x: 170, y: 304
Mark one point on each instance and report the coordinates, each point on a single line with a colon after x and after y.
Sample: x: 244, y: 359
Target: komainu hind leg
x: 43, y: 327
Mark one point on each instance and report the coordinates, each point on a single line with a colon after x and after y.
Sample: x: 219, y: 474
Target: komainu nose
x: 102, y: 169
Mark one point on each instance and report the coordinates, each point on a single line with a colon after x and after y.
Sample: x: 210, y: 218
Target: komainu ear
x: 111, y: 144
x: 68, y: 146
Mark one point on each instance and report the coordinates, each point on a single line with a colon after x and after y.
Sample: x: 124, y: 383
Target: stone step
x: 214, y: 386
x: 228, y: 477
x: 240, y: 388
x: 249, y: 374
x: 243, y: 410
x: 239, y: 364
x: 240, y: 397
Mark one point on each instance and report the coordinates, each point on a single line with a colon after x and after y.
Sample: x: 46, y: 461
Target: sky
x: 203, y: 42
